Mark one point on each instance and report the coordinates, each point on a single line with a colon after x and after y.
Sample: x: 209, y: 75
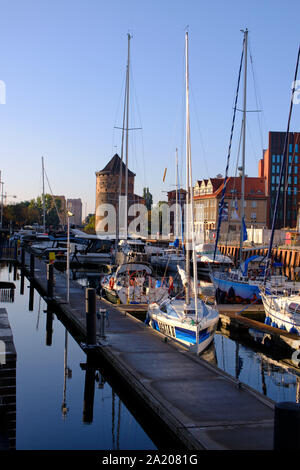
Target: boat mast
x: 44, y: 207
x: 176, y: 201
x: 244, y: 147
x: 127, y: 129
x: 187, y: 138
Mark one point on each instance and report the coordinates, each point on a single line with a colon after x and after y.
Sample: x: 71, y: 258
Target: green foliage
x: 31, y: 212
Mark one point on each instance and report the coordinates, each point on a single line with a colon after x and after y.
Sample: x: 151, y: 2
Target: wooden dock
x: 197, y: 404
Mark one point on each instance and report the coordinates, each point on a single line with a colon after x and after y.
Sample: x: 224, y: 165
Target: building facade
x: 207, y: 199
x: 269, y: 168
x: 75, y: 206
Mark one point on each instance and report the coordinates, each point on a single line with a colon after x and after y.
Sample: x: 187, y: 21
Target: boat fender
x: 171, y: 284
x: 111, y: 283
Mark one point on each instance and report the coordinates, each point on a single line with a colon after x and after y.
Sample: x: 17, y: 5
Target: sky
x: 63, y: 63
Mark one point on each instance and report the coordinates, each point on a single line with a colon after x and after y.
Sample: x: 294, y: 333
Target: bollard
x: 287, y: 426
x: 22, y: 256
x: 50, y: 280
x: 90, y: 309
x: 32, y: 259
x: 102, y: 317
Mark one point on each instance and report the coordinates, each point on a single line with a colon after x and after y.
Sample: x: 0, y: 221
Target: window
x: 289, y: 180
x: 253, y: 204
x: 277, y: 179
x: 290, y: 158
x: 295, y: 179
x: 295, y: 170
x: 291, y: 148
x: 295, y: 191
x: 278, y: 169
x: 289, y: 191
x: 253, y: 215
x: 296, y: 159
x: 278, y: 158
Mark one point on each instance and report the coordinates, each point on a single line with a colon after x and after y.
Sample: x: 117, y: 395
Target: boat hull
x: 235, y: 291
x: 277, y: 314
x: 183, y: 333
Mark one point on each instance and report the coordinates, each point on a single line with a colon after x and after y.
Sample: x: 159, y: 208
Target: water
x: 51, y: 384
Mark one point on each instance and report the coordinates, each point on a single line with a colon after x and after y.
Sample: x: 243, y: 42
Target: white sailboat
x: 189, y: 321
x: 282, y: 306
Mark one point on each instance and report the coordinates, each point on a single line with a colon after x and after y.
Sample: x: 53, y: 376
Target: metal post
x: 22, y: 257
x: 49, y: 327
x: 50, y: 280
x: 90, y: 308
x: 32, y: 259
x: 287, y: 426
x: 102, y: 317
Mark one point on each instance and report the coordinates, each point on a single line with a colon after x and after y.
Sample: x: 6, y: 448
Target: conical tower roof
x: 113, y: 167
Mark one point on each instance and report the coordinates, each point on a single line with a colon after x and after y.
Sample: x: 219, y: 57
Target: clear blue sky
x: 63, y: 63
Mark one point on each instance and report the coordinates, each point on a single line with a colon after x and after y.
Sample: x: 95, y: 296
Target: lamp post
x: 69, y: 214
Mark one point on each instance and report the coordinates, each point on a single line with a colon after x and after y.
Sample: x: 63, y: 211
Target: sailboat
x: 189, y: 321
x: 282, y: 306
x: 133, y: 279
x: 236, y: 285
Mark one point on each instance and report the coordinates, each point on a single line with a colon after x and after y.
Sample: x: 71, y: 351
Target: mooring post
x: 22, y: 256
x: 287, y: 426
x: 102, y: 317
x: 50, y: 280
x: 32, y: 258
x: 90, y: 309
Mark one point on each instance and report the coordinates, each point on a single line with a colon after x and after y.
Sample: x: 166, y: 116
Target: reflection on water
x: 63, y: 402
x: 275, y: 378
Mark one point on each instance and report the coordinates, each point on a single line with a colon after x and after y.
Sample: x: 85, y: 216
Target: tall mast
x: 121, y: 171
x: 127, y: 128
x: 187, y: 138
x: 244, y: 145
x: 44, y: 207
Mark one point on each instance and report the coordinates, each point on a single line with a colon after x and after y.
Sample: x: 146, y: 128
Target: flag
x: 245, y: 236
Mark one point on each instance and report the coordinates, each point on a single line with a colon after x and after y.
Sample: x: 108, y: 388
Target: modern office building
x: 269, y: 168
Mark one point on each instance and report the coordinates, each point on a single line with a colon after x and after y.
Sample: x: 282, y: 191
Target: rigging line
x: 140, y: 119
x: 59, y: 217
x: 285, y: 148
x: 257, y: 95
x: 235, y: 180
x: 200, y: 133
x: 117, y: 110
x: 229, y: 153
